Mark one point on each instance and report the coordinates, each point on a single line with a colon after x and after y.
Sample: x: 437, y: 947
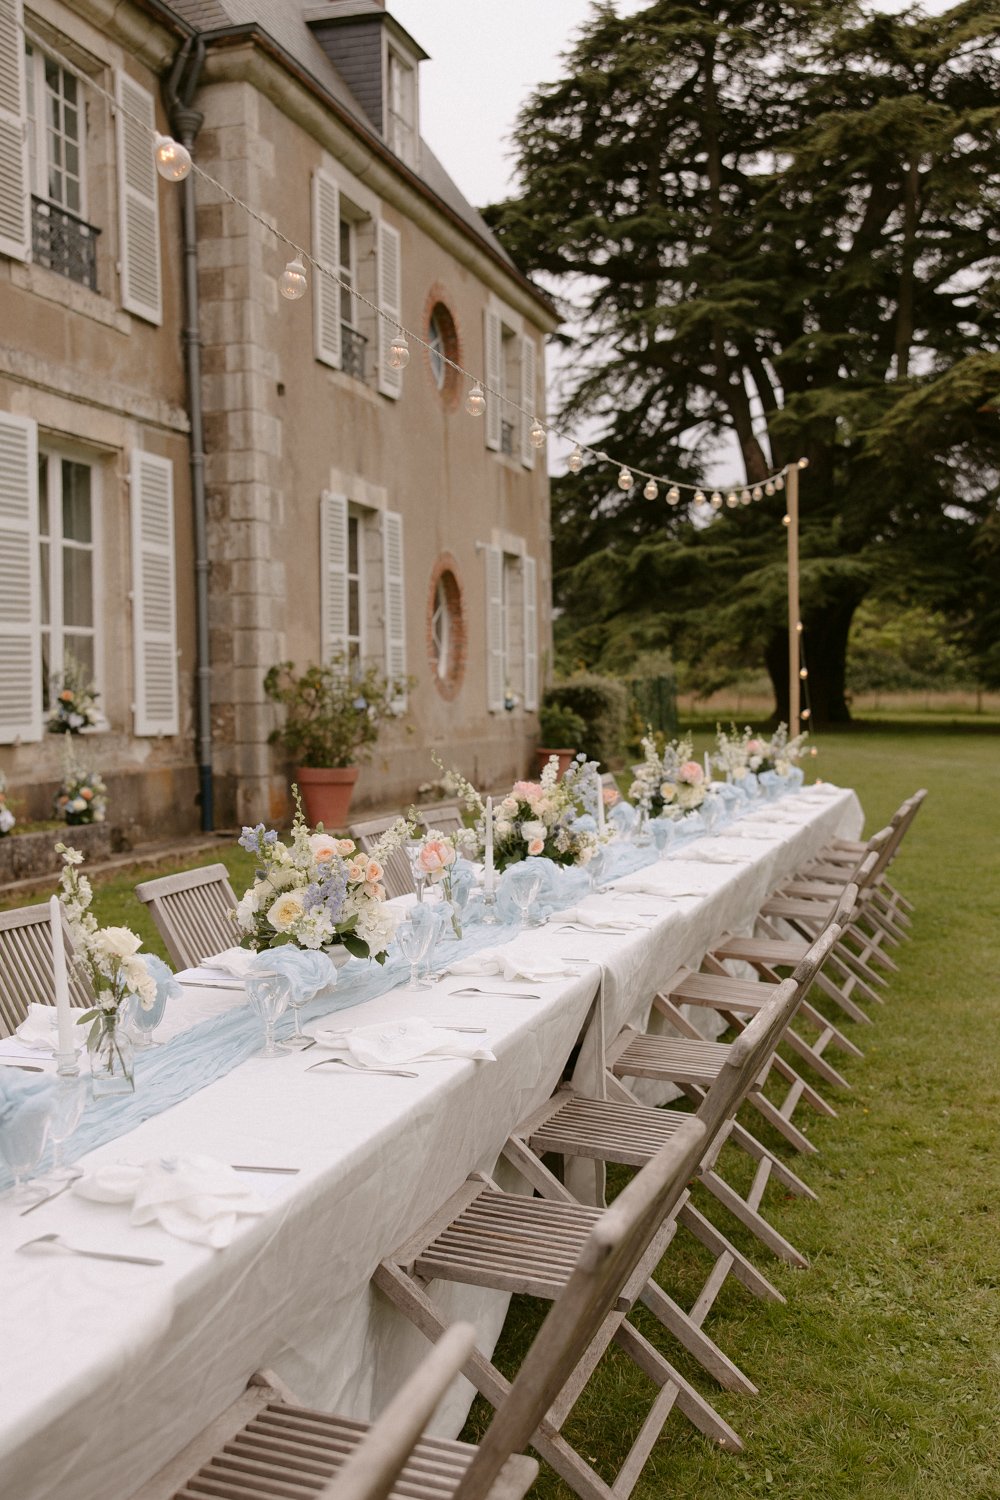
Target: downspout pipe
x: 185, y: 122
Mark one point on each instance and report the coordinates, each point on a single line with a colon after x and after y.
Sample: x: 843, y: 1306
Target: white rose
x: 286, y: 911
x: 140, y: 981
x: 117, y: 942
x: 534, y: 829
x: 324, y: 848
x: 377, y: 925
x: 246, y: 909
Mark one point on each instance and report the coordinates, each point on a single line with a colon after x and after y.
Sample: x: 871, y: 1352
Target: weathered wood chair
x: 26, y: 971
x: 191, y: 913
x: 267, y: 1446
x: 887, y: 897
x: 444, y: 817
x: 399, y: 879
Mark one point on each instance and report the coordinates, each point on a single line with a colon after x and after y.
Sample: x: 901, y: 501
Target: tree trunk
x: 824, y: 648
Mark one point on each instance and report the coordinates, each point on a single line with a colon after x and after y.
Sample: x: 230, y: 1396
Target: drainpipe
x: 185, y: 122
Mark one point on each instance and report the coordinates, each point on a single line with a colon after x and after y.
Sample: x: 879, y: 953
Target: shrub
x: 601, y: 704
x: 332, y: 718
x: 560, y: 728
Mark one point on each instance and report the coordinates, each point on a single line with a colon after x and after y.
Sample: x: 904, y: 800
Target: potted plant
x: 562, y: 732
x: 332, y: 720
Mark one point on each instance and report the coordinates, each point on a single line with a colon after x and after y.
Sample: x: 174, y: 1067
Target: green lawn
x: 880, y: 1377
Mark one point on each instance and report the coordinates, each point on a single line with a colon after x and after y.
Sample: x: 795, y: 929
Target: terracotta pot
x: 565, y: 759
x: 327, y: 794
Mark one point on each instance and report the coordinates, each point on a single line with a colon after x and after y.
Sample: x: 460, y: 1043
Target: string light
x: 292, y: 282
x: 173, y: 161
x: 803, y: 673
x: 399, y: 352
x: 803, y: 463
x: 716, y: 501
x: 806, y: 713
x: 575, y: 461
x: 651, y: 491
x: 673, y: 495
x: 769, y: 487
x: 475, y: 401
x: 625, y: 480
x: 699, y: 498
x: 779, y: 481
x: 786, y: 520
x: 757, y: 493
x: 745, y: 497
x: 732, y: 500
x: 537, y: 435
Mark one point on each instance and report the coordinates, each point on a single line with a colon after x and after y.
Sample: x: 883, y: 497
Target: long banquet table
x: 107, y: 1370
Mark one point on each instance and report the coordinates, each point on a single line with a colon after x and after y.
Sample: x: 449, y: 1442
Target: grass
x: 880, y: 1376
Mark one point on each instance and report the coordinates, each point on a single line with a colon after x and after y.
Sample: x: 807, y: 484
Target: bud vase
x: 112, y: 1058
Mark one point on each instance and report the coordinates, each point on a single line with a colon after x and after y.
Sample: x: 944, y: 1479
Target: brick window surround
x: 446, y: 590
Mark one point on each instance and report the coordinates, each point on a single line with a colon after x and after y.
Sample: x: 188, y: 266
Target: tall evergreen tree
x: 778, y: 220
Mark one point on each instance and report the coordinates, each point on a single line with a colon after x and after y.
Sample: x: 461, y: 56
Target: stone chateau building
x: 198, y: 477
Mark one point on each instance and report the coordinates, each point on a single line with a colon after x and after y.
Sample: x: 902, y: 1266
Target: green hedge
x: 602, y: 704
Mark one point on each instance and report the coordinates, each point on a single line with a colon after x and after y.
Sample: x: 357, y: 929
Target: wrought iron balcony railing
x: 64, y: 242
x: 352, y: 351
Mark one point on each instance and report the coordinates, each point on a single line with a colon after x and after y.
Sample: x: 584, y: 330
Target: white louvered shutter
x: 326, y: 249
x: 138, y: 205
x: 395, y: 605
x: 529, y: 372
x: 333, y: 576
x: 493, y: 339
x: 15, y: 201
x: 390, y: 300
x: 20, y: 640
x: 495, y: 684
x: 154, y: 605
x: 530, y: 582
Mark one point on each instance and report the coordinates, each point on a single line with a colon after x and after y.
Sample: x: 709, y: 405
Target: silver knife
x: 48, y: 1197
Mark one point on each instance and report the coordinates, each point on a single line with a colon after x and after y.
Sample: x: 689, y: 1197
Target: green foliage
x: 601, y: 705
x: 775, y: 220
x: 559, y: 727
x: 332, y: 717
x: 903, y: 649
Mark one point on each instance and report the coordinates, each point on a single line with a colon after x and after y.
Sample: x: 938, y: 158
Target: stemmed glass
x: 524, y: 882
x: 144, y: 1022
x: 413, y: 848
x: 67, y: 1103
x: 298, y: 1041
x: 596, y: 867
x: 414, y: 937
x: 269, y: 994
x: 22, y: 1142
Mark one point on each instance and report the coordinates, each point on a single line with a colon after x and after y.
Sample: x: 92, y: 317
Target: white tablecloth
x: 106, y: 1370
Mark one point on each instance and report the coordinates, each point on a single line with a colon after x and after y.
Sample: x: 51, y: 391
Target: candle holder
x: 489, y: 916
x: 68, y: 1064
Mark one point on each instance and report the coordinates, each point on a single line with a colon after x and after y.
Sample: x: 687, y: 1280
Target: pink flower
x: 434, y: 858
x: 526, y: 791
x: 610, y: 795
x: 755, y: 747
x: 536, y: 846
x: 691, y: 772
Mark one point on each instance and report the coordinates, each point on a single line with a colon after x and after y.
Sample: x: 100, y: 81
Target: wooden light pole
x: 794, y: 659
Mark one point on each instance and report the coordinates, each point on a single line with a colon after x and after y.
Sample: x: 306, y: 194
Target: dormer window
x: 401, y: 108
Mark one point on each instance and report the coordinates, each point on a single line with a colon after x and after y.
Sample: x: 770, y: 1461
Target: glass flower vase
x: 112, y: 1057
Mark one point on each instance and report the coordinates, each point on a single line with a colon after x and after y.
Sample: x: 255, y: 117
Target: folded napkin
x: 235, y: 961
x: 40, y: 1029
x: 606, y: 921
x: 508, y: 965
x: 707, y: 857
x: 634, y: 885
x: 195, y: 1198
x: 412, y: 1040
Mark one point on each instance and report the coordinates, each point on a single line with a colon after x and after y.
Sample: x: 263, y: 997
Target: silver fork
x: 30, y: 1246
x: 341, y: 1062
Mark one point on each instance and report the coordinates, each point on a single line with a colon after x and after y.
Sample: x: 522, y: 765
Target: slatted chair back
x: 26, y: 970
x: 443, y: 817
x: 612, y: 1252
x: 191, y: 912
x: 398, y: 871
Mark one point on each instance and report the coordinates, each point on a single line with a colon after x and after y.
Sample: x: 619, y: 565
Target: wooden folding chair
x: 266, y: 1446
x: 888, y: 898
x: 26, y: 970
x: 399, y: 879
x: 443, y: 817
x: 192, y: 913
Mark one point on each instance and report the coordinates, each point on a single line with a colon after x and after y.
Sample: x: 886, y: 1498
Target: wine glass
x: 413, y: 848
x: 414, y: 937
x: 67, y: 1100
x: 22, y: 1141
x: 524, y: 882
x: 269, y: 994
x: 144, y: 1022
x: 298, y: 1040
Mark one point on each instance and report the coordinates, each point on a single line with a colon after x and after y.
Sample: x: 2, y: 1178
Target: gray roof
x: 284, y: 21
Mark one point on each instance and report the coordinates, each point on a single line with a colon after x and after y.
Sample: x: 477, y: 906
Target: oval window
x: 446, y: 629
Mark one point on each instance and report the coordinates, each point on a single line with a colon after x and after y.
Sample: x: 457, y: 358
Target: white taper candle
x: 64, y: 1016
x: 600, y: 802
x: 488, y: 872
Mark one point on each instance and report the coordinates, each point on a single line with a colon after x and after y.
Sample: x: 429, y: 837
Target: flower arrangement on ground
x: 82, y: 798
x: 317, y: 891
x: 74, y: 701
x: 7, y: 818
x: 667, y: 781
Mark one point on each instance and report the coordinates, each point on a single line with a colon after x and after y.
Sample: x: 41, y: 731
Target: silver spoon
x: 511, y: 994
x: 30, y: 1247
x: 341, y: 1062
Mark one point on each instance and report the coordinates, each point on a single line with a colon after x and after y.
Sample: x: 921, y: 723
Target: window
x: 346, y: 239
x: 442, y: 340
x: 56, y: 127
x: 436, y: 349
x: 401, y: 124
x: 446, y: 628
x: 362, y: 606
x: 66, y: 536
x: 511, y: 630
x: 355, y: 595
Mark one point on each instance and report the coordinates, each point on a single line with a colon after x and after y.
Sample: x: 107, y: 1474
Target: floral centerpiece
x: 74, y: 701
x: 670, y: 781
x: 117, y: 974
x: 82, y: 798
x: 740, y: 754
x: 782, y: 753
x: 544, y: 817
x: 440, y: 861
x: 7, y: 818
x: 317, y: 891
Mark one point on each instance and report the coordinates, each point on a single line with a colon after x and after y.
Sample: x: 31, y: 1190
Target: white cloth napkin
x: 600, y: 921
x: 195, y: 1198
x: 40, y: 1029
x: 634, y: 885
x: 234, y: 961
x: 511, y: 965
x: 412, y: 1040
x: 711, y: 857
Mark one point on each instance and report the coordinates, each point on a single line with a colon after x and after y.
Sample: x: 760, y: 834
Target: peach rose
x: 691, y: 772
x: 535, y: 846
x: 434, y: 858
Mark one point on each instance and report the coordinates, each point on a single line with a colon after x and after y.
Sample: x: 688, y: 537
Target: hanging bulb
x: 399, y: 352
x: 537, y: 434
x: 673, y: 495
x: 803, y: 673
x: 806, y: 713
x: 769, y: 487
x: 744, y: 497
x: 650, y: 490
x: 475, y: 401
x: 803, y: 463
x: 292, y: 282
x: 758, y: 493
x: 779, y: 483
x: 173, y: 161
x: 798, y: 627
x: 699, y: 498
x: 732, y: 499
x: 624, y: 479
x: 786, y: 520
x: 575, y: 461
x: 716, y: 501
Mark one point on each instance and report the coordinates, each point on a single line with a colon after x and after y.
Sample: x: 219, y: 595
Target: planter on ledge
x: 566, y: 758
x: 326, y: 794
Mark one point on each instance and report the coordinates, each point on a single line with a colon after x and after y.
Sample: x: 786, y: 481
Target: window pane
x: 345, y: 244
x: 353, y: 608
x: 81, y: 648
x: 78, y: 588
x: 46, y: 670
x: 76, y: 502
x: 46, y: 602
x: 353, y: 545
x: 43, y: 494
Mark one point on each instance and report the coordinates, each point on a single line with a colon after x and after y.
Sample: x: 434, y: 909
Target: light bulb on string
x: 673, y: 495
x: 536, y: 434
x: 716, y: 500
x: 699, y: 498
x: 475, y: 401
x: 732, y: 500
x: 798, y: 627
x: 779, y: 482
x: 757, y: 492
x: 744, y: 497
x: 399, y: 352
x: 806, y: 713
x: 786, y: 520
x: 624, y: 479
x: 575, y: 461
x: 803, y: 463
x: 173, y: 161
x: 292, y: 282
x: 803, y: 673
x: 769, y: 487
x: 650, y: 491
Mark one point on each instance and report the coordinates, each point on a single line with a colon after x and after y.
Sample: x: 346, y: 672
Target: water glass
x: 413, y: 848
x: 269, y: 995
x: 523, y: 883
x: 415, y: 935
x: 663, y: 830
x: 596, y: 868
x: 67, y: 1102
x: 22, y: 1143
x: 144, y: 1022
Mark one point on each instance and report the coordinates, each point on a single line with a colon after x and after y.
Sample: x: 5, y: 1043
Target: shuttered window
x: 495, y: 630
x: 493, y: 336
x: 395, y: 605
x: 529, y: 373
x: 333, y: 588
x: 390, y: 300
x: 20, y: 660
x: 530, y: 633
x: 326, y: 249
x: 137, y: 202
x: 15, y: 225
x: 154, y: 613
